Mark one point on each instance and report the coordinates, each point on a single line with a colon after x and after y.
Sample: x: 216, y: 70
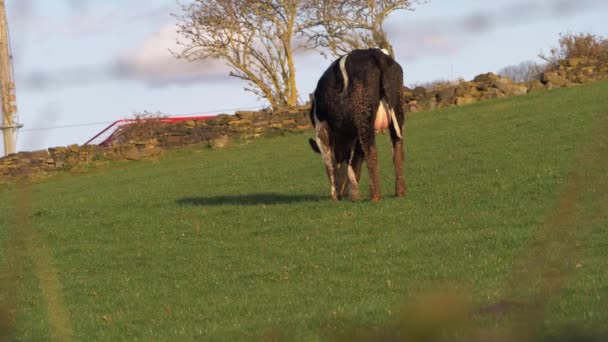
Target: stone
x: 482, y: 87
x: 260, y: 123
x: 132, y: 154
x: 74, y: 148
x: 242, y: 122
x: 305, y: 127
x: 408, y: 94
x: 174, y: 139
x: 492, y: 93
x: 220, y: 119
x: 511, y: 89
x: 151, y: 151
x: 573, y: 62
x: 245, y: 115
x: 535, y: 87
x: 60, y: 149
x: 446, y: 95
x: 502, y: 80
x: 519, y: 89
x: 485, y: 77
x: 240, y: 128
x: 419, y: 92
x: 40, y: 154
x: 554, y: 79
x: 464, y: 100
x: 461, y: 91
x: 432, y: 104
x: 582, y: 78
x: 219, y: 142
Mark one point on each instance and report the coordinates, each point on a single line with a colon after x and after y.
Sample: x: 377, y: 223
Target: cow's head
x: 337, y: 173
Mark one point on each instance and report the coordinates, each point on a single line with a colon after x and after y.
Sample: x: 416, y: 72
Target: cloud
x: 83, y: 18
x: 26, y: 18
x: 152, y: 61
x: 425, y: 42
x: 520, y: 13
x: 449, y: 35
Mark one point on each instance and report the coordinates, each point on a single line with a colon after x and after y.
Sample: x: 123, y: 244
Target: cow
x: 358, y: 96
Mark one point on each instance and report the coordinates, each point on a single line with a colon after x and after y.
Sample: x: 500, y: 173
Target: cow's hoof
x: 375, y: 199
x: 355, y: 197
x: 400, y: 191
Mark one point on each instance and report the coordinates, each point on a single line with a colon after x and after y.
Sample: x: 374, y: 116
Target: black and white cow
x: 358, y: 96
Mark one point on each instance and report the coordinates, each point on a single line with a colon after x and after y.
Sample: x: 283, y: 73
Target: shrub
x: 439, y: 85
x: 146, y: 125
x: 576, y: 46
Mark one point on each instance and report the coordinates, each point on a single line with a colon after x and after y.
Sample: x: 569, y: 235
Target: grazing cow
x: 358, y: 96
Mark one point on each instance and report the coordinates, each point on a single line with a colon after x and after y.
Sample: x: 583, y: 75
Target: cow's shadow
x: 248, y: 199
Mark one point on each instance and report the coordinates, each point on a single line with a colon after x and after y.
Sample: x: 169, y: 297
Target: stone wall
x: 488, y: 86
x: 215, y: 132
x: 220, y: 130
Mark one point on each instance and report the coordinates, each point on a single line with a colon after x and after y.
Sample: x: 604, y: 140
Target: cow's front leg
x: 323, y: 141
x: 354, y: 172
x: 341, y: 178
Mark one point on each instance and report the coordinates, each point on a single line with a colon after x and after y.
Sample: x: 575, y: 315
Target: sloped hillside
x: 507, y: 207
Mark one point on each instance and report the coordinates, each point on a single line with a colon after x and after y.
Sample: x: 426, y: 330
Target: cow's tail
x: 314, y: 145
x: 392, y: 88
x: 313, y: 120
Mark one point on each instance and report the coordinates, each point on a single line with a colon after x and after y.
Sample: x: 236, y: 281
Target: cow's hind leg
x: 368, y: 145
x: 371, y: 158
x: 364, y: 112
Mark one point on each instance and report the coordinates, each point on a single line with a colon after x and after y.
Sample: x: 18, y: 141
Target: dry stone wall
x: 488, y: 86
x: 220, y: 130
x: 215, y: 132
x: 245, y: 125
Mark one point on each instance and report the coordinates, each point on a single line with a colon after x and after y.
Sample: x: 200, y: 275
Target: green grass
x: 507, y: 202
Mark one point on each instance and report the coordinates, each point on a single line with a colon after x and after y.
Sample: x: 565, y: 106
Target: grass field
x: 507, y: 208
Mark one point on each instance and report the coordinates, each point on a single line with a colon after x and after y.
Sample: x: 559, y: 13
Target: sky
x: 80, y: 65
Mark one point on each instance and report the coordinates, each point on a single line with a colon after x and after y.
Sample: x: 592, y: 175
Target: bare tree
x: 254, y: 37
x: 343, y: 25
x: 523, y: 72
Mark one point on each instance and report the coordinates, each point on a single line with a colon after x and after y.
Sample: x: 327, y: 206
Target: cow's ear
x: 314, y: 146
